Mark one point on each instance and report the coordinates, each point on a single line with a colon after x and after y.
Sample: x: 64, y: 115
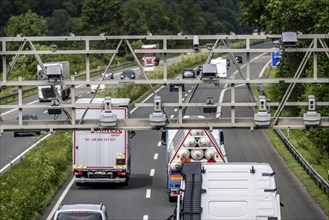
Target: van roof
x: 209, y: 68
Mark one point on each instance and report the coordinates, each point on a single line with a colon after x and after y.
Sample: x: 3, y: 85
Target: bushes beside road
x: 28, y: 187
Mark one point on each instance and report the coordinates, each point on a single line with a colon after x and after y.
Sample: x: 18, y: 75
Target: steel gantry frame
x: 180, y: 121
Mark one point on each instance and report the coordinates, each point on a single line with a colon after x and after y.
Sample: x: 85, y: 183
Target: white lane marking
x: 171, y: 116
x: 186, y: 94
x: 183, y: 99
x: 45, y: 112
x: 145, y: 217
x: 264, y: 68
x: 159, y: 143
x: 10, y: 111
x: 155, y: 156
x: 22, y: 154
x: 61, y: 199
x: 189, y: 90
x: 148, y: 193
x: 175, y: 110
x: 152, y: 172
x: 147, y: 98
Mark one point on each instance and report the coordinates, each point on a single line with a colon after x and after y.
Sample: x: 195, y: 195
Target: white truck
x: 228, y: 191
x: 60, y: 69
x: 184, y: 146
x: 221, y: 64
x: 102, y: 156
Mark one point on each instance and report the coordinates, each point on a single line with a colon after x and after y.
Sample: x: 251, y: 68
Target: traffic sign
x: 276, y: 58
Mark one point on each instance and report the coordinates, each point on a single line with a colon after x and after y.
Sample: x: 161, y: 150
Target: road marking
x: 186, y: 94
x: 175, y: 110
x: 45, y: 112
x: 171, y: 116
x: 10, y: 111
x: 148, y: 193
x: 155, y: 156
x: 147, y: 98
x: 159, y: 143
x: 152, y: 172
x: 22, y: 154
x: 189, y: 90
x: 183, y: 99
x: 61, y: 199
x: 145, y: 217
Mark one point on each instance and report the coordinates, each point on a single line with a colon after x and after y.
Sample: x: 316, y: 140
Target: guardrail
x: 2, y: 99
x: 322, y: 183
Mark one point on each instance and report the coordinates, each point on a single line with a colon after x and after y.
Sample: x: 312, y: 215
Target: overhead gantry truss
x: 220, y: 44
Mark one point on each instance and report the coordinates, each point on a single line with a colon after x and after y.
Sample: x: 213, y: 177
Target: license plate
x: 100, y: 173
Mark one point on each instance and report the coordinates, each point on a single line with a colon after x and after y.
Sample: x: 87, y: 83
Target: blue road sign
x: 276, y: 57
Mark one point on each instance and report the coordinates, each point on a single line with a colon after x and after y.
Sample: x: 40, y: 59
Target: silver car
x: 81, y: 211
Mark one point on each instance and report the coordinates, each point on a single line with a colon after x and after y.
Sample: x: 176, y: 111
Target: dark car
x: 128, y: 74
x: 228, y: 63
x: 238, y: 59
x: 189, y: 73
x: 175, y: 86
x: 26, y: 117
x: 108, y: 74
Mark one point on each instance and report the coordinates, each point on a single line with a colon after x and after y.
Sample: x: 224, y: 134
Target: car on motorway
x: 81, y: 211
x: 26, y: 117
x: 175, y: 87
x: 128, y: 74
x: 189, y: 73
x: 238, y: 59
x: 94, y: 87
x: 108, y: 74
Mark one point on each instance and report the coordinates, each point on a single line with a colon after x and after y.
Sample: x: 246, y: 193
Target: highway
x: 145, y: 197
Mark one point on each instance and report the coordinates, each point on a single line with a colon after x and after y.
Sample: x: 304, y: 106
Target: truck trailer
x: 60, y: 69
x: 184, y: 146
x: 102, y: 156
x: 228, y: 191
x: 221, y: 64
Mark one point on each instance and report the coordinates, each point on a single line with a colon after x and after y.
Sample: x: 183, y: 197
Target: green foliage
x: 28, y: 187
x: 28, y: 24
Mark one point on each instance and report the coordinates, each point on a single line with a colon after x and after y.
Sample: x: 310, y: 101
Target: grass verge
x: 321, y: 198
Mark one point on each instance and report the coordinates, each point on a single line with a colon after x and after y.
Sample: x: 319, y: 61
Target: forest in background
x: 116, y: 17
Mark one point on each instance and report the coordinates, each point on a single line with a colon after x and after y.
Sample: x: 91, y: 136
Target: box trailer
x: 102, y: 156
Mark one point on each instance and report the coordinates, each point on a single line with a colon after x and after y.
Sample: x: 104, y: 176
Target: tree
x: 28, y: 24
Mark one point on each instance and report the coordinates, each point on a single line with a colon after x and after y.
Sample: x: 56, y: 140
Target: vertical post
x: 180, y: 109
x: 20, y: 102
x: 4, y: 63
x: 247, y: 60
x: 164, y: 60
x: 73, y: 101
x: 315, y: 59
x: 233, y: 100
x: 87, y: 62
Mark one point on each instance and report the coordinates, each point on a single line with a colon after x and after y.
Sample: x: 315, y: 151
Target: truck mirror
x: 132, y: 134
x: 221, y: 136
x: 163, y: 138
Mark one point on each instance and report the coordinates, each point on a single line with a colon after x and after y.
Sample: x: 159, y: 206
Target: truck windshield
x: 79, y: 215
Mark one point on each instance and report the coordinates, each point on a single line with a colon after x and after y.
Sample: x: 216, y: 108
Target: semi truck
x: 221, y: 64
x: 149, y: 56
x: 227, y: 191
x: 189, y: 145
x: 102, y: 156
x: 61, y: 70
